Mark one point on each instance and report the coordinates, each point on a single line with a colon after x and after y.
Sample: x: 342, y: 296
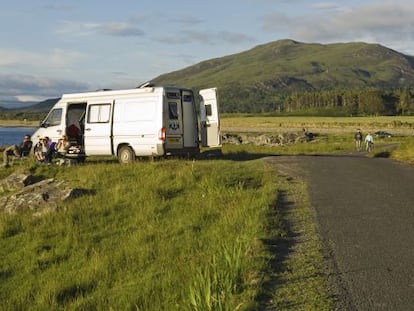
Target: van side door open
x: 209, y: 119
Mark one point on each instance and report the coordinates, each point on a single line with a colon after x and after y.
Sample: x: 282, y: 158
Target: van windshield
x: 54, y: 118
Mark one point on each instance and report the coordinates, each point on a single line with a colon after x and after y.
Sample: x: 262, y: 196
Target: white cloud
x: 25, y: 87
x: 53, y: 58
x: 205, y: 37
x: 79, y: 29
x: 326, y: 6
x: 389, y: 24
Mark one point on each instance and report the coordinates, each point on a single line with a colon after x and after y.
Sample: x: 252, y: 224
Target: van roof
x: 156, y: 89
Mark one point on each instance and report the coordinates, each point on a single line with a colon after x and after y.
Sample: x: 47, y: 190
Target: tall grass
x: 166, y: 235
x: 405, y: 151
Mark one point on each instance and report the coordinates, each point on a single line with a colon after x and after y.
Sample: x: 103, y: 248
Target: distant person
x: 358, y: 140
x: 17, y: 150
x: 369, y: 141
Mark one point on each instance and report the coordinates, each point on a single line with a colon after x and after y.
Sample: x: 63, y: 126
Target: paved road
x: 365, y: 212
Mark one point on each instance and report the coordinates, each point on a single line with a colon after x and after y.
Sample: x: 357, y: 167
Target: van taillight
x: 162, y: 134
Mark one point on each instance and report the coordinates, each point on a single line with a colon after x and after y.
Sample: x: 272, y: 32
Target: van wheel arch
x: 126, y: 154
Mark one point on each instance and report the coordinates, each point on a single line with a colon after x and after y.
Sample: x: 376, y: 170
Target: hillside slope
x: 270, y: 71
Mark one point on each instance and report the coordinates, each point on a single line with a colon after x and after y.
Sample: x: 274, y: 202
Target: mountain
x: 260, y: 79
x: 43, y: 106
x: 267, y: 73
x: 5, y: 105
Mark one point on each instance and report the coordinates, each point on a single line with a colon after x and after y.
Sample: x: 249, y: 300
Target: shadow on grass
x: 383, y: 154
x: 279, y: 246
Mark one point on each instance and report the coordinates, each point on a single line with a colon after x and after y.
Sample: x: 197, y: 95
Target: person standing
x: 369, y: 141
x: 358, y: 140
x: 17, y: 150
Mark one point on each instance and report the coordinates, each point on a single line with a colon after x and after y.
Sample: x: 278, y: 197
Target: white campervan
x: 147, y: 121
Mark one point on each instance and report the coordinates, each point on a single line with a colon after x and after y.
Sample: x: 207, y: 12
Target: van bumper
x: 183, y: 151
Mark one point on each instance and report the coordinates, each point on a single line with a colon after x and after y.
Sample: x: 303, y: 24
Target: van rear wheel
x: 126, y: 155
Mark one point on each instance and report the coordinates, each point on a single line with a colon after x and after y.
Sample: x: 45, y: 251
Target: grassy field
x: 164, y: 235
x: 175, y: 234
x: 332, y: 134
x: 19, y: 123
x: 397, y: 124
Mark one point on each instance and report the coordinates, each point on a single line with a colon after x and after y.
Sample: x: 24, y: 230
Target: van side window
x: 54, y: 117
x: 99, y: 113
x: 173, y: 111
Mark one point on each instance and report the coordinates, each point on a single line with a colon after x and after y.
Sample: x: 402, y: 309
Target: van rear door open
x: 209, y: 119
x: 174, y: 121
x: 190, y: 134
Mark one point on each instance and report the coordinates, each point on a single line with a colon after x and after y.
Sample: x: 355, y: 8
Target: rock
x: 231, y: 139
x: 41, y: 197
x: 15, y: 181
x: 267, y: 139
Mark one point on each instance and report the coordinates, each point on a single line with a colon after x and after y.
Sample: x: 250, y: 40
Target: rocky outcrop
x: 18, y: 193
x: 267, y: 139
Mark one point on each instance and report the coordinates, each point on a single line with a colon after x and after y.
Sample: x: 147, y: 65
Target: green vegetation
x: 405, y: 152
x: 165, y: 235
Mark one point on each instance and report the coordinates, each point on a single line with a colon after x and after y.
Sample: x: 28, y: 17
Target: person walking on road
x: 358, y: 140
x: 369, y: 141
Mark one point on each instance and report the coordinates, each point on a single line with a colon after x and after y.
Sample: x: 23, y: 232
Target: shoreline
x: 18, y: 123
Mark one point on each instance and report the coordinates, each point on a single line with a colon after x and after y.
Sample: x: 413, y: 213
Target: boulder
x: 41, y: 197
x: 15, y: 181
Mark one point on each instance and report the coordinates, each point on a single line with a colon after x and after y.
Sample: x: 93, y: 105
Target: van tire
x: 126, y: 155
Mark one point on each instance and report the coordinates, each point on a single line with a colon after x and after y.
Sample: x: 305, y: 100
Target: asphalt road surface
x: 364, y: 209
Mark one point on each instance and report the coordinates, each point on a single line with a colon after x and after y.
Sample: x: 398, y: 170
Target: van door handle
x: 88, y: 129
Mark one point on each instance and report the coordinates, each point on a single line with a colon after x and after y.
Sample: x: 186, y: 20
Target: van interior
x: 75, y: 121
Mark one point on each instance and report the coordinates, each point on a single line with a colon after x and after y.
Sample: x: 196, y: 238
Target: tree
x: 405, y: 104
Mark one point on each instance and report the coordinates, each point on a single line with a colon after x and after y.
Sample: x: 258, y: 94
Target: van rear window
x: 188, y: 98
x: 209, y: 110
x: 173, y: 111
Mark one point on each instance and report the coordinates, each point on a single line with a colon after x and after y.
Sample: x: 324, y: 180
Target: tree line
x: 354, y: 102
x: 347, y: 102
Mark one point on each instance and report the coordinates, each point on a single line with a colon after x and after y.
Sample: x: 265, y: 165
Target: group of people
x: 44, y: 151
x: 369, y: 141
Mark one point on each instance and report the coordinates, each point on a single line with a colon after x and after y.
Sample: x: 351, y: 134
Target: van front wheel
x: 126, y: 155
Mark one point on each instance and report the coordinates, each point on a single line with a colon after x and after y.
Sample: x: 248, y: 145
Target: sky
x: 51, y: 47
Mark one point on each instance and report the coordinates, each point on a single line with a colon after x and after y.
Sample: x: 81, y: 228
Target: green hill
x: 34, y: 112
x: 268, y: 73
